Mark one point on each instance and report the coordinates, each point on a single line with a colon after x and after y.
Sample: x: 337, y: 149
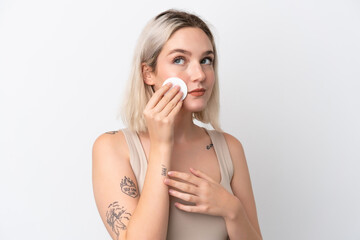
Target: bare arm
x: 242, y: 221
x: 147, y: 215
x: 150, y: 218
x: 114, y: 184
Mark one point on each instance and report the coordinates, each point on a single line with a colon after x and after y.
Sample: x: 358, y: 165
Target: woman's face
x: 188, y: 55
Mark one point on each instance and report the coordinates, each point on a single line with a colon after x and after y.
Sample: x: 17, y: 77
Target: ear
x: 148, y: 75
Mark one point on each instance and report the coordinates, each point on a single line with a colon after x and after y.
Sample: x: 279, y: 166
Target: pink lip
x: 197, y: 90
x: 197, y: 94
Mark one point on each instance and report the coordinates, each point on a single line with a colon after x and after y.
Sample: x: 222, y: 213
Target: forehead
x: 190, y: 39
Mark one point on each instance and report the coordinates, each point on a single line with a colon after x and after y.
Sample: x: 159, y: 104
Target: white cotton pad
x: 177, y: 81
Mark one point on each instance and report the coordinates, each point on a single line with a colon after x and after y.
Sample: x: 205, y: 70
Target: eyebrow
x: 189, y: 53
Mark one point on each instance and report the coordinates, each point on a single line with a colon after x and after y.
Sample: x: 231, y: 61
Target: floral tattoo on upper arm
x: 116, y: 217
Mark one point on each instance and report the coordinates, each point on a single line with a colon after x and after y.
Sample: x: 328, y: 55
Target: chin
x: 194, y: 107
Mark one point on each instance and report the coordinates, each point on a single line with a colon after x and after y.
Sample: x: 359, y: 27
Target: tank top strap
x: 138, y: 160
x: 223, y: 154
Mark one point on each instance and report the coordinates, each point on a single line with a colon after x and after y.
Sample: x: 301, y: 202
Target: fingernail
x: 170, y: 173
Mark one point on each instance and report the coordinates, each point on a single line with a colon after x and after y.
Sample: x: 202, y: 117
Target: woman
x: 164, y: 177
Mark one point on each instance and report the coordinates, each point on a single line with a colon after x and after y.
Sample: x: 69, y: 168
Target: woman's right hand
x: 160, y: 113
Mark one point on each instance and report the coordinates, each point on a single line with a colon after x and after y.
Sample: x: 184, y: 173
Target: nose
x: 196, y: 72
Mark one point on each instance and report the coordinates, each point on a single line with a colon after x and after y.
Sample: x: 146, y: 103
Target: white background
x: 289, y: 78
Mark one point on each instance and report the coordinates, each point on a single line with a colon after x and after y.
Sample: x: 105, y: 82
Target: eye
x: 207, y: 60
x: 179, y: 60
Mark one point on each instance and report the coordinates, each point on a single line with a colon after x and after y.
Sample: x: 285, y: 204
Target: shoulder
x: 110, y: 144
x: 241, y: 181
x: 237, y: 154
x: 234, y: 145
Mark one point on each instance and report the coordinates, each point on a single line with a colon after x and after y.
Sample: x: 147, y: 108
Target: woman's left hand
x: 209, y: 196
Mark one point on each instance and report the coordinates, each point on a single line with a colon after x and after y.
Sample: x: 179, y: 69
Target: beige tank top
x: 184, y: 225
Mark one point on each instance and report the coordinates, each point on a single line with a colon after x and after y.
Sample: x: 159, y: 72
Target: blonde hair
x: 150, y: 43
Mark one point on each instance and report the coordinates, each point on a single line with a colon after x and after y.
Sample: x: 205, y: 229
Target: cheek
x: 211, y: 87
x: 164, y: 73
x: 210, y: 73
x: 211, y: 80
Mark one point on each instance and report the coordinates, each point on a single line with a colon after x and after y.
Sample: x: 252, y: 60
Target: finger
x: 202, y: 175
x: 171, y: 105
x: 176, y: 109
x: 185, y: 187
x: 166, y: 99
x: 189, y: 208
x: 158, y: 95
x: 184, y: 196
x: 185, y: 177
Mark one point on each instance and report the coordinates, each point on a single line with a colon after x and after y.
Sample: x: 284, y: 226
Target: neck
x: 185, y: 129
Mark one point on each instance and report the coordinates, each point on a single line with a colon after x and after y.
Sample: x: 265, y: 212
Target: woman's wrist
x: 160, y: 153
x: 234, y: 208
x: 161, y: 145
